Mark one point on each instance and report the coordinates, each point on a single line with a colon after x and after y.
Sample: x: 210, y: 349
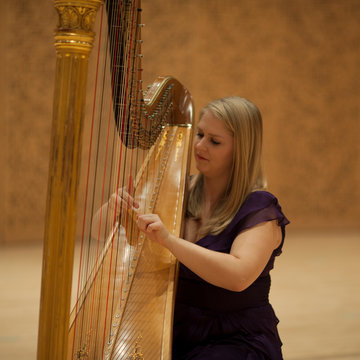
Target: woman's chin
x: 200, y: 168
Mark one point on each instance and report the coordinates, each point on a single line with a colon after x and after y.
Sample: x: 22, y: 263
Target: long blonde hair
x: 243, y: 119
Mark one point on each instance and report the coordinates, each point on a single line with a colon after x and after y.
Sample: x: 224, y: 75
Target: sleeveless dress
x: 214, y: 323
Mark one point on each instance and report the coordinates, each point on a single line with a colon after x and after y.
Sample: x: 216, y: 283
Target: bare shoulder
x: 264, y: 237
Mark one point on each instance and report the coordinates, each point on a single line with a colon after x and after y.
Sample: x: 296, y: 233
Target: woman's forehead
x: 212, y: 125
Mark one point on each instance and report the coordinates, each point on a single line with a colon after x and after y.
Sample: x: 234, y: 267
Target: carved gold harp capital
x: 75, y: 25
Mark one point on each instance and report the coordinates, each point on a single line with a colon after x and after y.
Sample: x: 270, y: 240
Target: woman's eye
x: 200, y: 135
x: 215, y: 142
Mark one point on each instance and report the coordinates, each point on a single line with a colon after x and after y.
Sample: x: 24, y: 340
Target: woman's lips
x: 200, y: 157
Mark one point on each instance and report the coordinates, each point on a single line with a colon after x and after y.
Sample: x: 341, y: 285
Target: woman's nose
x: 200, y: 143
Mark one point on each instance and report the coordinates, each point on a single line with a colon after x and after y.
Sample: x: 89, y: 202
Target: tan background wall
x: 298, y: 60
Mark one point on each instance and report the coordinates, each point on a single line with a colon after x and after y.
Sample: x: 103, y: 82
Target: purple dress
x: 214, y: 323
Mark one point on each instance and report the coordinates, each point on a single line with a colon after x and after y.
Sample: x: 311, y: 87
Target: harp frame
x: 74, y: 40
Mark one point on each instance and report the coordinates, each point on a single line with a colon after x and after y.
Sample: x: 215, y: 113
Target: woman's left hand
x: 152, y: 226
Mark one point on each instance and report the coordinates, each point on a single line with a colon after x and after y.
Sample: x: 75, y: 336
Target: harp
x: 139, y: 139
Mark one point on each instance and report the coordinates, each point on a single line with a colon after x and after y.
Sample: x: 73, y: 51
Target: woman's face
x: 213, y: 147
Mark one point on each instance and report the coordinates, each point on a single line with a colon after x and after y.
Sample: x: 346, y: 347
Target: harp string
x: 121, y: 107
x: 84, y: 265
x: 124, y: 99
x: 122, y: 103
x: 114, y: 95
x: 135, y: 69
x: 81, y: 273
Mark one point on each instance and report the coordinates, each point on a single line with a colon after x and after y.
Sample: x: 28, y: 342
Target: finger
x: 142, y: 225
x: 148, y: 218
x: 144, y: 221
x: 129, y: 200
x: 120, y: 197
x: 155, y: 226
x: 131, y: 183
x: 132, y: 191
x: 117, y: 204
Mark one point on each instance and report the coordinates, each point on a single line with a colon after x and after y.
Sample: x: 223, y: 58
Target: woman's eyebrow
x: 214, y: 135
x: 211, y: 134
x: 198, y: 128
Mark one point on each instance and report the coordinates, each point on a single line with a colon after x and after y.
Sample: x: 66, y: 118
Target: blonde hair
x: 243, y: 119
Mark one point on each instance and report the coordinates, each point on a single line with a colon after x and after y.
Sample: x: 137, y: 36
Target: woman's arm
x: 250, y: 252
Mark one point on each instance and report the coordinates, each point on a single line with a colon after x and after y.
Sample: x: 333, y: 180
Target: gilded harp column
x: 73, y: 42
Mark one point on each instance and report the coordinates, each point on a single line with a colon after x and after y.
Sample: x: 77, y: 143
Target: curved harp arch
x: 126, y: 290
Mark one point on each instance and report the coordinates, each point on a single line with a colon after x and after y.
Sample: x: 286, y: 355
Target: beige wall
x: 297, y: 60
x: 28, y: 74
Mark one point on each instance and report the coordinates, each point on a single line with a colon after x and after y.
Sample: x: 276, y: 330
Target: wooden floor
x: 315, y: 292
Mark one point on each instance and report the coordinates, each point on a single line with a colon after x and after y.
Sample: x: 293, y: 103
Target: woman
x: 233, y: 231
